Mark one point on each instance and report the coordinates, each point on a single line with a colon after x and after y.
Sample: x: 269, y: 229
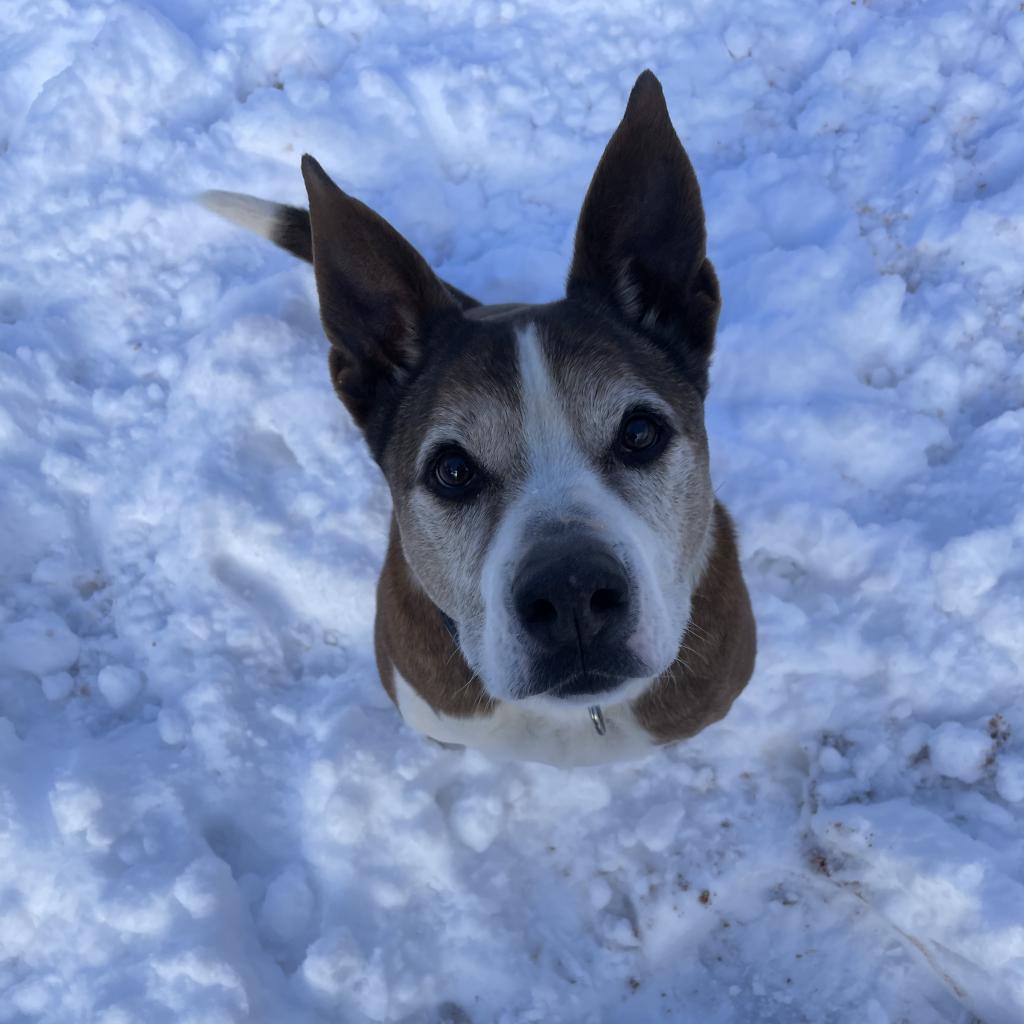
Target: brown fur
x: 410, y: 635
x: 716, y: 657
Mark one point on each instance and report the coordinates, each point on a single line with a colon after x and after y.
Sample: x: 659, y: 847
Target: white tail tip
x: 256, y: 215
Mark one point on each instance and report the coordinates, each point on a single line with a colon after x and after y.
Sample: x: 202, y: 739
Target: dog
x: 561, y: 583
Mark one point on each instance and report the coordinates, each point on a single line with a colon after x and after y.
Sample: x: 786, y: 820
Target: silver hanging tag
x: 597, y: 717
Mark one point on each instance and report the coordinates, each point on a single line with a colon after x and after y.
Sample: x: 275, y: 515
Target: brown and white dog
x: 561, y: 583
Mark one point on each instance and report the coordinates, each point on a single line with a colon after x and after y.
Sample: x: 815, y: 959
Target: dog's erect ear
x: 377, y: 295
x: 640, y: 242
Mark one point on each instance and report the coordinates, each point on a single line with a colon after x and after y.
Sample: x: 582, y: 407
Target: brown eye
x: 453, y: 475
x: 454, y: 470
x: 638, y: 433
x: 642, y: 438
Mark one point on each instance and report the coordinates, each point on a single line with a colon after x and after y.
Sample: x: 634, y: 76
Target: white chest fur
x: 525, y: 733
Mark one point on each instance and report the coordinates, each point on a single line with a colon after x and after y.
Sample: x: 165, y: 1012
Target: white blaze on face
x: 557, y: 467
x: 561, y: 486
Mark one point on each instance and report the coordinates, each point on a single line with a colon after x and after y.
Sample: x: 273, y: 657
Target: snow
x: 1010, y: 779
x: 287, y: 908
x: 119, y: 684
x: 209, y: 810
x: 958, y: 752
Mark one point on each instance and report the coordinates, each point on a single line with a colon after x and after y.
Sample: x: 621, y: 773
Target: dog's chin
x: 575, y: 692
x: 548, y: 684
x: 585, y: 687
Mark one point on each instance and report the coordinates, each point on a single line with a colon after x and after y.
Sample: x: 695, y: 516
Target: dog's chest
x: 515, y: 732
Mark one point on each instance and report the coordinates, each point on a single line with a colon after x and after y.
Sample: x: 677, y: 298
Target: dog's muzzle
x: 574, y: 604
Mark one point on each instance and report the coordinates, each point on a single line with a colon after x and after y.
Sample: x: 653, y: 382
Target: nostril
x: 606, y: 600
x: 540, y: 612
x: 570, y: 597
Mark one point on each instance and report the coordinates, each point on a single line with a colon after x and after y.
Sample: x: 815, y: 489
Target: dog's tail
x: 286, y: 226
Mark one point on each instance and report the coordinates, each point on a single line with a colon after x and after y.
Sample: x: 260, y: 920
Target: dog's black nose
x: 569, y: 595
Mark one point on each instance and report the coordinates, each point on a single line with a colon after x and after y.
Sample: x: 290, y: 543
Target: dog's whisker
x: 699, y: 630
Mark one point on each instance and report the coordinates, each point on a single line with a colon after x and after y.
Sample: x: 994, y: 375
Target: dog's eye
x: 453, y: 475
x: 454, y: 470
x: 642, y: 437
x: 638, y: 433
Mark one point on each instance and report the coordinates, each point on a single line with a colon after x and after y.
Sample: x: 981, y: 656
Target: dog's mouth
x: 585, y: 686
x: 574, y: 675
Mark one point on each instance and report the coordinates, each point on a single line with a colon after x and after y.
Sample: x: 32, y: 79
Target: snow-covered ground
x: 208, y: 810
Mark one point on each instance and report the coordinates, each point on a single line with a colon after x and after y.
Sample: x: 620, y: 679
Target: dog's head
x: 548, y: 464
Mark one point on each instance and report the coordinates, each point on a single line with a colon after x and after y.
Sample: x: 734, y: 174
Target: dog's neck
x: 419, y: 659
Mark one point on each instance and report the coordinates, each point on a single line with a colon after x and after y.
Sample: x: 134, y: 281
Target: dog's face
x: 548, y: 464
x: 550, y: 478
